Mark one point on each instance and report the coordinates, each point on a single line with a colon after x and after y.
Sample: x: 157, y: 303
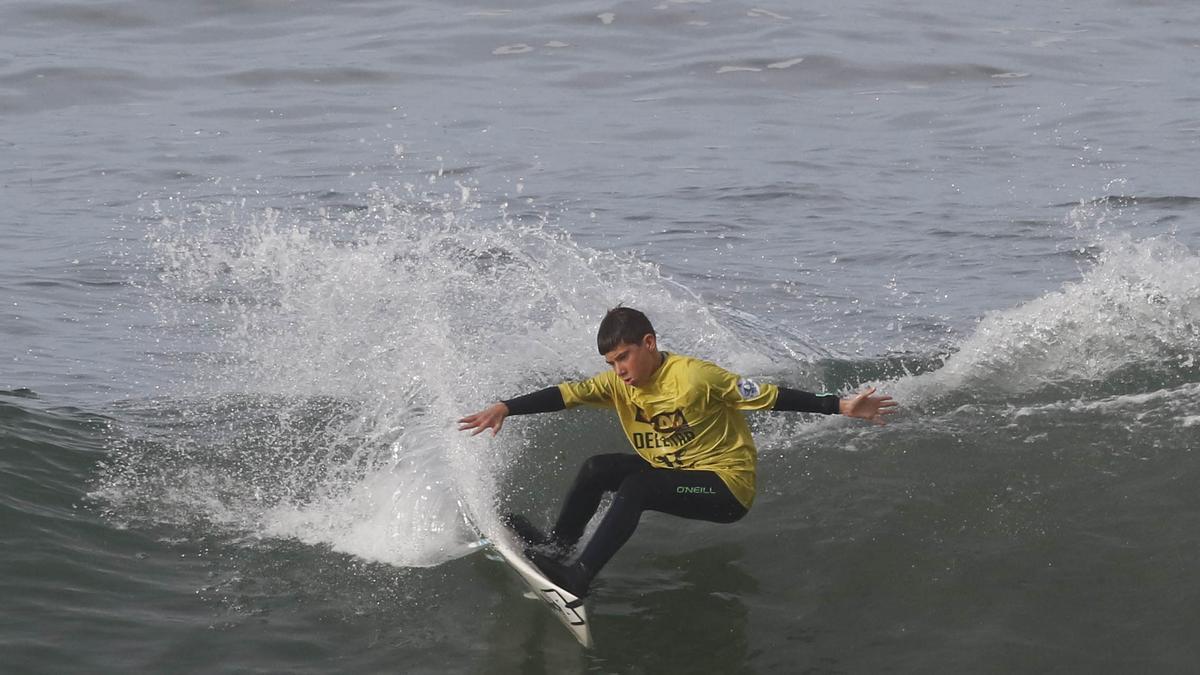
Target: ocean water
x: 259, y: 256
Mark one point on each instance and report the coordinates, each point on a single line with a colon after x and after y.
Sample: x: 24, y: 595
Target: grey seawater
x: 259, y: 256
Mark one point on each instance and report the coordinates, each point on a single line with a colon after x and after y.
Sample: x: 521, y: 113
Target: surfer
x: 695, y: 457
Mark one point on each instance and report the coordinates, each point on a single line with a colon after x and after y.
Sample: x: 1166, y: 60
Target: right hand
x: 868, y: 406
x: 491, y: 417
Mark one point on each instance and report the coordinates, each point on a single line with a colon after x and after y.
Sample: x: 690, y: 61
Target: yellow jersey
x: 687, y: 416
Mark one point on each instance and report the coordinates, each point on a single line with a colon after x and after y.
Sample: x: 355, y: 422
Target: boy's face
x: 634, y: 363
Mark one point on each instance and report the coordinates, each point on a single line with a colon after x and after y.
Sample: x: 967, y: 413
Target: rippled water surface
x: 259, y: 255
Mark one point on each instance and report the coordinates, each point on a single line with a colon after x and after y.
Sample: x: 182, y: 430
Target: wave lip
x: 1132, y: 319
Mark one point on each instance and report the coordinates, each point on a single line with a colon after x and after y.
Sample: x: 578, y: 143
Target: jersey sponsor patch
x: 748, y: 388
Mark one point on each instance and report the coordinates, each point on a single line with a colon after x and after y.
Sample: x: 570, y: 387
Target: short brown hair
x: 622, y: 325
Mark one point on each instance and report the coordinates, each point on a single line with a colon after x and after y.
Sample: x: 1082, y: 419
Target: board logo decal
x: 560, y: 604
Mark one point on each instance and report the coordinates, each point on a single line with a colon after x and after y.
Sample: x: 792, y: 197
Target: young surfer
x: 695, y: 456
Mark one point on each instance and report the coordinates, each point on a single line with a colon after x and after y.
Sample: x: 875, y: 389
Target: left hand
x: 866, y: 405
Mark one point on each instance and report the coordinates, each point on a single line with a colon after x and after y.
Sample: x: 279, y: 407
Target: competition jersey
x: 687, y: 416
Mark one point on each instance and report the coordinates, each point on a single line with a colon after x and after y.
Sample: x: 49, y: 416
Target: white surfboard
x: 568, y: 608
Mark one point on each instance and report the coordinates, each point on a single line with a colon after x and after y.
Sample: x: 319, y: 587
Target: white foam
x: 1139, y: 304
x: 1183, y: 398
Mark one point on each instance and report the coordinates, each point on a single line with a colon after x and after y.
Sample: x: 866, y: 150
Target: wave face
x: 317, y: 360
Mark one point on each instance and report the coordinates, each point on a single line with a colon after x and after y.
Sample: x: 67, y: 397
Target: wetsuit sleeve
x: 802, y: 401
x: 594, y: 391
x: 545, y: 400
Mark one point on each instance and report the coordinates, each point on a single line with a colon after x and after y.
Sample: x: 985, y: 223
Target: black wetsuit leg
x: 698, y: 495
x: 599, y: 474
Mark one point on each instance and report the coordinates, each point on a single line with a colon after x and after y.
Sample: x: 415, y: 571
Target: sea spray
x: 340, y: 346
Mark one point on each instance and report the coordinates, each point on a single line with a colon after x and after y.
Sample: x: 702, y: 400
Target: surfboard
x: 565, y: 606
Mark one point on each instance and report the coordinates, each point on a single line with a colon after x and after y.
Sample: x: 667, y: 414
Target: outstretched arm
x: 864, y: 405
x: 492, y: 417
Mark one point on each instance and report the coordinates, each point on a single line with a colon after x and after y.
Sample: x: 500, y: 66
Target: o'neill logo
x: 698, y: 490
